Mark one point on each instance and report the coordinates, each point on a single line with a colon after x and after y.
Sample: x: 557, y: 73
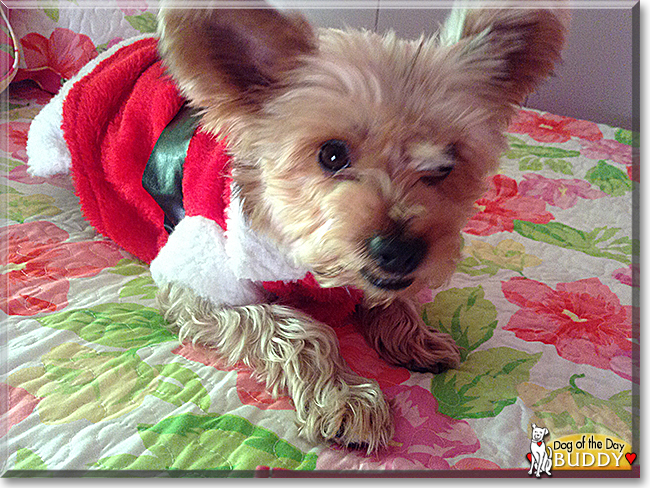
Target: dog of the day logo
x: 539, y: 455
x: 577, y: 451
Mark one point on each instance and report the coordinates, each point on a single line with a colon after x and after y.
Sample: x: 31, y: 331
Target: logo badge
x: 540, y: 455
x: 576, y: 451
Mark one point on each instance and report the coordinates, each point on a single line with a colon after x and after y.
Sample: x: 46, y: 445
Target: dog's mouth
x: 391, y: 284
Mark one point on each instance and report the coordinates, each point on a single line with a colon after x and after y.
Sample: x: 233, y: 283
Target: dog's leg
x: 540, y: 464
x: 288, y: 349
x: 549, y: 460
x: 401, y: 337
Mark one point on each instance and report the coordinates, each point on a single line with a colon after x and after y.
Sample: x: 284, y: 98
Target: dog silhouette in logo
x: 540, y: 459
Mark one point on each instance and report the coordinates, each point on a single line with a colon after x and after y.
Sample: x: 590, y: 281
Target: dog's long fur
x: 279, y: 89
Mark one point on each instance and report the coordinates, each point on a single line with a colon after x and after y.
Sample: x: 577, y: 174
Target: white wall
x: 595, y: 81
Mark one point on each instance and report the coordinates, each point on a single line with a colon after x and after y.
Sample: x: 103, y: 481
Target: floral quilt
x: 544, y: 307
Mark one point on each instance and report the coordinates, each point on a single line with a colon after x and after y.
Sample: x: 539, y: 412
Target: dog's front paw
x: 365, y: 425
x: 433, y: 352
x: 356, y: 416
x: 401, y: 337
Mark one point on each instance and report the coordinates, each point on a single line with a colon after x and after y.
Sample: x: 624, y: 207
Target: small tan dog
x: 355, y: 157
x: 362, y: 156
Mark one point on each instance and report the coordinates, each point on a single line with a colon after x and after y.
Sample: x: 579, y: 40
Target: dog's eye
x: 452, y: 151
x: 432, y: 178
x: 334, y: 155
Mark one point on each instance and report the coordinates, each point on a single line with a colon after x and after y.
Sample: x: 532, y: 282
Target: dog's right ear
x: 229, y: 61
x: 502, y: 54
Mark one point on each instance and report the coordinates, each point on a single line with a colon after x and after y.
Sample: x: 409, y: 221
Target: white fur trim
x: 255, y: 257
x: 195, y: 256
x: 47, y: 152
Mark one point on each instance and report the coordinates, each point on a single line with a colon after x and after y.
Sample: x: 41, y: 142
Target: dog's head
x: 361, y: 154
x: 538, y: 433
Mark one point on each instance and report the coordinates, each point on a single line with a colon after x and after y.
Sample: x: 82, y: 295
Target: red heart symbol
x: 630, y: 456
x: 539, y: 443
x: 530, y: 457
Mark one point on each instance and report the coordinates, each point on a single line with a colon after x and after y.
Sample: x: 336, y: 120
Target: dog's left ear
x: 503, y: 54
x: 229, y: 61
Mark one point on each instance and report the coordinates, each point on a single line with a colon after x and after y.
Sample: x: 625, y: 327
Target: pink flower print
x: 628, y: 276
x: 472, y: 463
x: 607, y: 149
x: 249, y: 389
x: 418, y: 423
x: 561, y: 193
x: 365, y: 361
x: 29, y: 91
x: 19, y: 405
x: 113, y: 42
x: 132, y: 7
x: 19, y: 174
x: 553, y: 128
x: 38, y: 264
x: 633, y: 172
x: 423, y: 439
x: 16, y: 140
x: 502, y: 205
x: 425, y: 295
x: 60, y: 56
x: 584, y: 320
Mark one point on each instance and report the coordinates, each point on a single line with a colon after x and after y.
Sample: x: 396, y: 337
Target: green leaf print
x: 561, y: 166
x: 210, y: 441
x: 191, y: 389
x: 21, y: 207
x: 7, y: 164
x: 52, y: 13
x: 530, y: 163
x: 129, y: 267
x: 26, y: 459
x: 487, y: 259
x: 571, y: 410
x: 533, y: 163
x: 17, y: 112
x: 484, y: 384
x: 596, y: 243
x: 126, y: 325
x: 609, y: 179
x: 76, y: 382
x: 465, y: 314
x: 143, y: 286
x: 628, y: 137
x: 519, y: 149
x: 144, y: 23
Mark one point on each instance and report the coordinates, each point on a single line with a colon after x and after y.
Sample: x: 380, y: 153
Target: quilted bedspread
x: 542, y: 305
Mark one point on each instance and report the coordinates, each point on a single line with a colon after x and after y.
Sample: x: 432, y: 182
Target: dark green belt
x: 163, y: 174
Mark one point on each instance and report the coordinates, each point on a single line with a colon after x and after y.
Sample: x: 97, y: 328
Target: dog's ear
x: 546, y: 431
x: 229, y: 61
x: 505, y: 53
x: 534, y: 426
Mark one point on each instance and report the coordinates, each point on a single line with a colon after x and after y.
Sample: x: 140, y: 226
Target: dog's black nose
x: 397, y: 254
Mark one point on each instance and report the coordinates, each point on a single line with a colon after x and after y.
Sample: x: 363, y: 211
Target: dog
x: 337, y: 165
x: 540, y: 459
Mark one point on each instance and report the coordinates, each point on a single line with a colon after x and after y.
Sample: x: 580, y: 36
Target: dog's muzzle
x: 394, y: 255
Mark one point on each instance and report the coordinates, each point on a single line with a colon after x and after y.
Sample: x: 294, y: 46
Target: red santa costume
x: 106, y: 126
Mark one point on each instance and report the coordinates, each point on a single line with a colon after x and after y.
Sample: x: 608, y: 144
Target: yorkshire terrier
x: 353, y: 159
